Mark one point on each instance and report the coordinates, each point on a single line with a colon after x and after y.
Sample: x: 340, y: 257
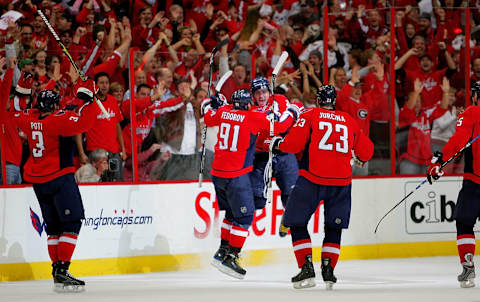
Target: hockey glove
x: 434, y: 171
x: 217, y: 101
x: 206, y: 106
x: 356, y: 161
x: 274, y: 142
x: 295, y: 109
x: 86, y: 90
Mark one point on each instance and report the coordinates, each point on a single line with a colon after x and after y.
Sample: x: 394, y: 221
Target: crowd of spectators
x: 172, y: 41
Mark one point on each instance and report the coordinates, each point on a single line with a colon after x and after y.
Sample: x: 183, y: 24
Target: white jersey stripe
x: 67, y: 239
x: 332, y: 250
x: 239, y: 233
x: 52, y: 241
x: 302, y: 246
x: 466, y: 241
x: 226, y: 226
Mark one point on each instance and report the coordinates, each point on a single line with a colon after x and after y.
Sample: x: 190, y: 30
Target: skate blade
x: 329, y: 285
x: 216, y: 263
x: 467, y: 284
x: 60, y: 288
x: 307, y: 283
x: 230, y: 272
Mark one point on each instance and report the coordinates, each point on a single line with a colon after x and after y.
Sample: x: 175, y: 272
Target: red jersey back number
x: 341, y: 146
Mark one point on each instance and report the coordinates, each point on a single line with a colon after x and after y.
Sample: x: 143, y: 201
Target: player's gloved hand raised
x: 205, y: 106
x: 86, y: 90
x: 218, y: 100
x: 434, y: 171
x: 295, y: 109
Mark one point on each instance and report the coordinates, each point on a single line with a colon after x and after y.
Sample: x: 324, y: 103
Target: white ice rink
x: 411, y: 279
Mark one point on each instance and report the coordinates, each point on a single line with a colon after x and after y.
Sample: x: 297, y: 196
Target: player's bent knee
x: 244, y: 221
x: 72, y: 227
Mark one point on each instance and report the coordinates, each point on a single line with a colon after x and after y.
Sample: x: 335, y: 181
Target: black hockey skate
x: 231, y: 267
x: 219, y: 256
x: 306, y: 277
x: 466, y: 278
x: 327, y: 273
x: 64, y: 282
x: 283, y: 230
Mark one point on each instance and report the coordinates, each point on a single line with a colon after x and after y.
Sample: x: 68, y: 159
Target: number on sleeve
x: 39, y: 147
x: 460, y: 122
x: 341, y: 146
x: 224, y: 135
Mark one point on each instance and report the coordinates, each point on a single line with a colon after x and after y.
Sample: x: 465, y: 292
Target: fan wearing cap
x: 419, y: 121
x: 50, y: 169
x: 429, y: 76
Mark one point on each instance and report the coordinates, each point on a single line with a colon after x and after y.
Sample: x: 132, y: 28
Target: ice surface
x: 410, y: 279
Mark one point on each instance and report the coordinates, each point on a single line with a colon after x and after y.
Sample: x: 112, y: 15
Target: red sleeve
x: 299, y: 135
x: 140, y: 105
x: 109, y: 66
x: 170, y: 105
x: 462, y: 133
x: 5, y: 88
x: 406, y: 117
x: 71, y: 123
x: 82, y: 15
x: 437, y: 112
x: 362, y: 146
x: 212, y: 117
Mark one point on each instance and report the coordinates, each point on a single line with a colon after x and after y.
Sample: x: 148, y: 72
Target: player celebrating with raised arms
x: 467, y: 209
x: 50, y: 169
x: 238, y: 129
x: 326, y: 137
x: 284, y: 165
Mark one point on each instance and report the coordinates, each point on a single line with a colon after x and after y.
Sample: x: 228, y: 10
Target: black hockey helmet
x: 326, y: 96
x: 46, y: 100
x: 241, y: 99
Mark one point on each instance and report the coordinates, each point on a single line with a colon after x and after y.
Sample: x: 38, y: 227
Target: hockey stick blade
x: 222, y: 81
x: 280, y: 63
x: 468, y: 144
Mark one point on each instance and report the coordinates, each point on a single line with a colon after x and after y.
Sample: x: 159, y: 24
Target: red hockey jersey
x: 236, y: 139
x: 330, y: 137
x: 50, y: 142
x: 468, y: 127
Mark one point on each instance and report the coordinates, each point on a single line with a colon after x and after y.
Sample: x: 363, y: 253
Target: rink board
x: 161, y: 227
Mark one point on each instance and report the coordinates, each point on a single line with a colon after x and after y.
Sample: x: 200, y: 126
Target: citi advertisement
x: 430, y: 209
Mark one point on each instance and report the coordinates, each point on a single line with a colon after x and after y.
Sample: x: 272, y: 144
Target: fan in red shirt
x: 420, y: 121
x: 50, y: 169
x: 428, y: 75
x: 327, y: 138
x: 467, y: 208
x: 106, y: 133
x: 233, y: 160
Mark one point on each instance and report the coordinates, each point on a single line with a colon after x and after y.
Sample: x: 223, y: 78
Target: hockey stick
x: 425, y: 180
x: 276, y: 70
x: 65, y: 51
x: 204, y: 130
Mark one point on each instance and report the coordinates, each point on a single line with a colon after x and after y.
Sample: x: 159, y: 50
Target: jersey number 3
x: 224, y: 135
x: 39, y: 146
x: 341, y: 146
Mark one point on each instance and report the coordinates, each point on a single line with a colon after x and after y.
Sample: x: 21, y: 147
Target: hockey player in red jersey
x: 50, y: 169
x: 467, y: 209
x: 233, y: 160
x: 326, y: 137
x: 284, y: 165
